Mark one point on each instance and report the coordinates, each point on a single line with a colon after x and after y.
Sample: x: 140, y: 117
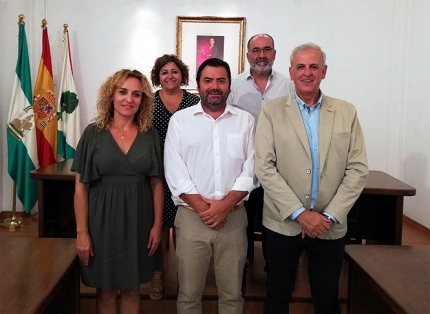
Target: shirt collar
x: 228, y: 108
x: 249, y: 76
x: 302, y: 105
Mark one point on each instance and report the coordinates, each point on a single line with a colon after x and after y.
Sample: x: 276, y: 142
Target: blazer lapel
x: 293, y: 114
x: 326, y: 130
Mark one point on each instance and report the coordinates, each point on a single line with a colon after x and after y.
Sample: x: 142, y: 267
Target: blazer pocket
x: 339, y: 146
x: 340, y: 135
x: 236, y: 145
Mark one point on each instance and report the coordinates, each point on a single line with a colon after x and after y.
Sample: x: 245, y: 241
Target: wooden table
x: 38, y: 275
x: 376, y: 216
x: 56, y: 187
x: 388, y: 279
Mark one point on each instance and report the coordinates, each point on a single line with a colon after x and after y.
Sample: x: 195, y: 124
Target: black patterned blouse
x: 160, y: 119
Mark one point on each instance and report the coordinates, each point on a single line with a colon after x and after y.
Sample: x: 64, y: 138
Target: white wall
x: 415, y: 157
x: 377, y: 53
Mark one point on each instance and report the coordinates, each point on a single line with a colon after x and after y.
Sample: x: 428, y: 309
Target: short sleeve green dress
x: 120, y: 208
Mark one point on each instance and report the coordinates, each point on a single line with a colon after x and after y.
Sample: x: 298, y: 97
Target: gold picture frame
x: 197, y: 36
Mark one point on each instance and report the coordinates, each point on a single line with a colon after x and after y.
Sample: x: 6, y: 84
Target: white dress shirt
x: 246, y: 95
x: 209, y: 157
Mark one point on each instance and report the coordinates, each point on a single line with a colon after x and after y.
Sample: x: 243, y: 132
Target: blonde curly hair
x: 143, y: 116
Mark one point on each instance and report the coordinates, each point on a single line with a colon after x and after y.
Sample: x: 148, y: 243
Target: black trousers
x: 254, y: 213
x: 325, y: 258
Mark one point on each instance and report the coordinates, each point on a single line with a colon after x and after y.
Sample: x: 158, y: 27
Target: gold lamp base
x: 13, y: 223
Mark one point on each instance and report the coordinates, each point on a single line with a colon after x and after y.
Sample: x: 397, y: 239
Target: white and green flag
x: 69, y: 127
x: 21, y: 131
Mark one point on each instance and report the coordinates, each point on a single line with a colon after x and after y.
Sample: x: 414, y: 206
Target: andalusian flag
x: 44, y: 107
x: 21, y: 132
x: 69, y: 127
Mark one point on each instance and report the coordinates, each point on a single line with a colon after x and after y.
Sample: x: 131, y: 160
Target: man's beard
x: 214, y: 103
x: 261, y: 69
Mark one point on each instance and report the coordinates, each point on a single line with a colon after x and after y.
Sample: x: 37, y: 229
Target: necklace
x: 123, y: 132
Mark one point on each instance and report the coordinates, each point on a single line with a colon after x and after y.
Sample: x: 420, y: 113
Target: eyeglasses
x: 265, y: 50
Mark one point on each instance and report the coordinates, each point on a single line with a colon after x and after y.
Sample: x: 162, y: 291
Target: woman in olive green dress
x: 119, y: 193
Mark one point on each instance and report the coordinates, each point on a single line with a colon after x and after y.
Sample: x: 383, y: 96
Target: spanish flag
x: 44, y: 106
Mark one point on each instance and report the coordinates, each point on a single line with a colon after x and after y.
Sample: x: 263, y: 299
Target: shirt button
x: 307, y: 196
x: 308, y: 171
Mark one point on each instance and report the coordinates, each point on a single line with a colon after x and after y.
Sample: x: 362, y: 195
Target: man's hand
x: 216, y: 216
x: 313, y: 223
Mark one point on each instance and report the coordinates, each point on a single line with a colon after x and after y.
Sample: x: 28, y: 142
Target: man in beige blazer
x: 311, y: 161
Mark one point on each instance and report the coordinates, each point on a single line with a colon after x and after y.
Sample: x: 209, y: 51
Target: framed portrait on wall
x: 203, y: 37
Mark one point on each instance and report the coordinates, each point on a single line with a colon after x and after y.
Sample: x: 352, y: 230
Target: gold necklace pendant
x: 122, y: 134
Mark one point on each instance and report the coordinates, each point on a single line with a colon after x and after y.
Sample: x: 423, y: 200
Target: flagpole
x: 14, y: 221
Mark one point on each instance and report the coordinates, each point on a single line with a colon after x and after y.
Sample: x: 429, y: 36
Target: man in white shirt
x: 209, y: 167
x: 249, y: 91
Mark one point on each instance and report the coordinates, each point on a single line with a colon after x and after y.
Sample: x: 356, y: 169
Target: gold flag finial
x: 21, y: 18
x: 44, y: 23
x: 66, y: 26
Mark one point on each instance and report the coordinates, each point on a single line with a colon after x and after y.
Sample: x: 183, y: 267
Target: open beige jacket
x: 284, y: 165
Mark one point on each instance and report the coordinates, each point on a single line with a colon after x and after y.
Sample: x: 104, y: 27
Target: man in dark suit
x: 212, y: 51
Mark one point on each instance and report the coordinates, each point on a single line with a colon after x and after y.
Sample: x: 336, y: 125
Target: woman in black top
x: 169, y: 73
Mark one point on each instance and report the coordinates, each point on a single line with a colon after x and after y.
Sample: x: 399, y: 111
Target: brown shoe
x: 157, y: 289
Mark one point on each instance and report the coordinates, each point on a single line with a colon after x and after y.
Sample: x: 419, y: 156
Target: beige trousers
x: 196, y: 244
